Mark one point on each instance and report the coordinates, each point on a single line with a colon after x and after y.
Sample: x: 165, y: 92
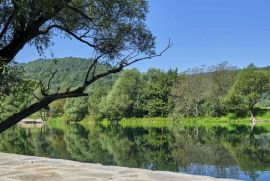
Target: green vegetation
x: 220, y: 92
x: 146, y: 122
x: 76, y: 109
x: 162, y: 120
x: 16, y: 101
x: 121, y: 100
x: 115, y: 32
x: 199, y: 92
x: 150, y: 143
x: 38, y: 71
x: 248, y: 90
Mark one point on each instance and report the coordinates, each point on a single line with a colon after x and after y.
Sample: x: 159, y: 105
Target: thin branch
x: 67, y: 90
x: 36, y: 96
x: 74, y: 35
x: 85, y: 33
x: 49, y: 82
x: 91, y: 67
x: 42, y: 89
x: 122, y: 64
x: 131, y: 56
x: 150, y: 57
x: 58, y: 89
x: 45, y: 89
x: 47, y: 30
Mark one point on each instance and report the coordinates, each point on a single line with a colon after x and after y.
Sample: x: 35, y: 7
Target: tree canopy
x: 107, y: 26
x: 248, y: 89
x: 115, y: 32
x: 131, y: 93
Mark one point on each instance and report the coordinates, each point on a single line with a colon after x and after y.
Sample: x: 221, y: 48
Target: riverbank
x: 24, y: 168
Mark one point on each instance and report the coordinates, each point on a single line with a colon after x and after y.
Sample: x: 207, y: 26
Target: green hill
x: 70, y: 71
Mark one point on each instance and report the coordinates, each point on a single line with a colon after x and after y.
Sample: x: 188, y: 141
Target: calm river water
x: 225, y: 152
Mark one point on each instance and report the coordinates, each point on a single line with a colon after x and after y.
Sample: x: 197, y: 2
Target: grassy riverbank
x: 225, y: 121
x: 151, y: 143
x: 263, y: 119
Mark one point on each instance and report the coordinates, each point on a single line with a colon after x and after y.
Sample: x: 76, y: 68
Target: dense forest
x: 205, y: 91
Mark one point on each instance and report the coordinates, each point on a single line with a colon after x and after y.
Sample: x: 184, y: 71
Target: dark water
x: 233, y: 152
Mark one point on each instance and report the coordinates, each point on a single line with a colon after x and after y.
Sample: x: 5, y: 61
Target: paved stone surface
x: 28, y: 168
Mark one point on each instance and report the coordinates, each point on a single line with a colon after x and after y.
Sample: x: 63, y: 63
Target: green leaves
x: 15, y: 90
x: 76, y: 109
x: 18, y: 99
x: 114, y: 28
x: 120, y: 101
x: 248, y: 89
x: 10, y: 78
x: 139, y: 95
x: 199, y: 92
x: 155, y: 98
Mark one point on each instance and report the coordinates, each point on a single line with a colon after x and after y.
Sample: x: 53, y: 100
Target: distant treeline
x: 205, y: 91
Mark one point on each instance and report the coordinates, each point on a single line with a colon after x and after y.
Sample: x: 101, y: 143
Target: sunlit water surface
x: 223, y: 152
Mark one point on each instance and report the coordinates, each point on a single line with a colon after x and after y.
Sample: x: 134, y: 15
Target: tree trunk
x: 252, y: 120
x: 17, y: 117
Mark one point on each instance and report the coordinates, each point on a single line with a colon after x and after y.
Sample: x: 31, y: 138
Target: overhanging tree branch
x: 4, y: 30
x: 68, y: 32
x: 113, y: 31
x: 93, y: 65
x: 79, y: 92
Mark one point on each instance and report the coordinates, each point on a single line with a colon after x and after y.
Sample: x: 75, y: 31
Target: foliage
x: 189, y: 94
x: 108, y: 26
x: 15, y: 102
x: 200, y: 92
x: 70, y: 72
x: 138, y: 95
x: 248, y: 89
x: 76, y: 109
x: 115, y: 32
x: 99, y: 91
x: 146, y: 122
x: 11, y: 77
x: 57, y: 107
x: 120, y: 101
x: 155, y: 99
x: 222, y: 77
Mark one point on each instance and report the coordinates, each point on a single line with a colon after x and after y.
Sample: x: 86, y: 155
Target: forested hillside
x: 69, y: 72
x: 205, y: 91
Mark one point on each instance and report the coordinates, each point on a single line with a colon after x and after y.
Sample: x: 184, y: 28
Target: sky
x: 203, y: 32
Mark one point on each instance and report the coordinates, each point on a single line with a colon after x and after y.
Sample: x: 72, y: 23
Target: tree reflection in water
x: 227, y: 152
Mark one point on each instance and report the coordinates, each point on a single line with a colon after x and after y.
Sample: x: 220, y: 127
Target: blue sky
x: 204, y: 32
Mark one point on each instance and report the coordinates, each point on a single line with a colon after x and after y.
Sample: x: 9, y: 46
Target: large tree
x: 222, y: 78
x: 248, y: 89
x: 114, y: 30
x: 121, y: 100
x: 190, y: 92
x: 155, y: 99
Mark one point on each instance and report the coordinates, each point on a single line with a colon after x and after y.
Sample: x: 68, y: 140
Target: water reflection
x: 233, y: 152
